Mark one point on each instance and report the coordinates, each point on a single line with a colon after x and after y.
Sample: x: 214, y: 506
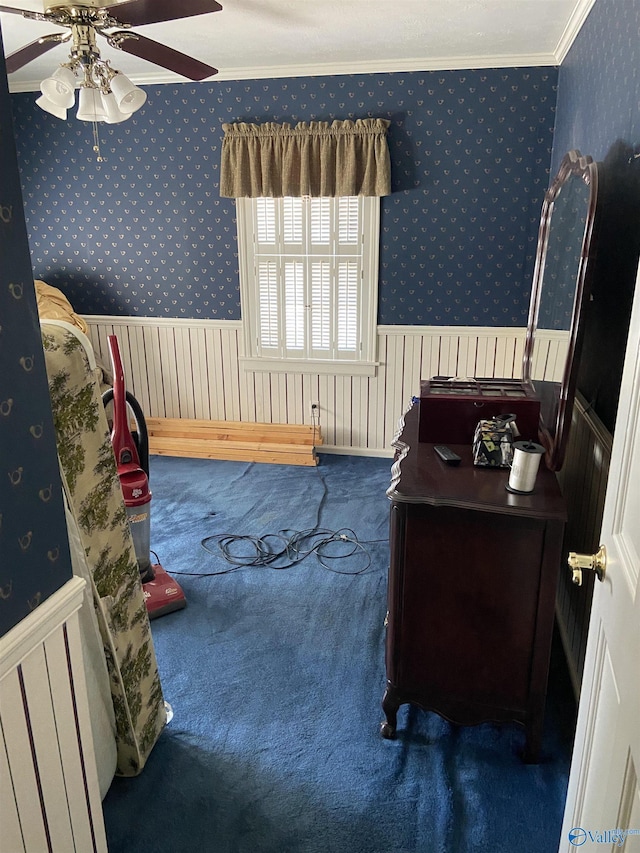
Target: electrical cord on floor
x: 284, y: 550
x: 287, y: 548
x: 315, y: 423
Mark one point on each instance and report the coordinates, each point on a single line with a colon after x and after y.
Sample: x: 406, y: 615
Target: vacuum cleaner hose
x: 141, y: 436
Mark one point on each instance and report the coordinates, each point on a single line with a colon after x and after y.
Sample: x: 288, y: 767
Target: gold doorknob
x: 596, y: 562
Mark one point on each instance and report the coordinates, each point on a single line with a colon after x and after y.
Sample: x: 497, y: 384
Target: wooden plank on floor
x: 203, y: 443
x: 242, y: 452
x: 291, y: 444
x: 194, y: 428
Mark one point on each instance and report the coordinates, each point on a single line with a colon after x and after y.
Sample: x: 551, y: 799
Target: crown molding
x: 574, y: 25
x: 387, y: 66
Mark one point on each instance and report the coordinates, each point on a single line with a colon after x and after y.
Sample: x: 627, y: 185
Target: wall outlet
x: 315, y: 410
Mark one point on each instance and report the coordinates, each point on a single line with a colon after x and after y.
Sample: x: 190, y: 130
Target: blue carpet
x: 276, y: 678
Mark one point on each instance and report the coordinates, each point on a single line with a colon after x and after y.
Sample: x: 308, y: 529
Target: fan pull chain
x: 96, y: 143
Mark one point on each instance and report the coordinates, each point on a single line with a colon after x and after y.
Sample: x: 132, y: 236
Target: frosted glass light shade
x: 128, y: 97
x: 60, y: 87
x: 114, y: 115
x: 90, y: 106
x: 49, y: 107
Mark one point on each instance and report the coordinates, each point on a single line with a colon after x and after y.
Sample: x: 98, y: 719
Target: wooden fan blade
x: 26, y: 13
x: 138, y: 12
x: 29, y: 52
x: 161, y: 55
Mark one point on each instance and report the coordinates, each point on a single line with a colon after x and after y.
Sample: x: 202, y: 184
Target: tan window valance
x: 319, y: 158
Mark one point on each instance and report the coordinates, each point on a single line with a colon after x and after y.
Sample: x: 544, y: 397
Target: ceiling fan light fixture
x: 129, y: 98
x: 60, y: 87
x: 86, y: 19
x: 114, y: 113
x: 104, y: 93
x: 90, y: 105
x: 49, y: 106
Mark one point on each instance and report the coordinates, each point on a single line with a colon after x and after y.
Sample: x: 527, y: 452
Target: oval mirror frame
x: 561, y: 280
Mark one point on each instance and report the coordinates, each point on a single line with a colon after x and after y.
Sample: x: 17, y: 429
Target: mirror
x: 560, y: 289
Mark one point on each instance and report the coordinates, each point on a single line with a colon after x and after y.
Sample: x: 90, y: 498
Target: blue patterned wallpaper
x: 34, y: 549
x: 599, y: 83
x: 145, y: 233
x: 599, y: 113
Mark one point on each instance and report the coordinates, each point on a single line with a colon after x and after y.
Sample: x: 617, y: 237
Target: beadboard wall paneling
x: 583, y: 479
x: 191, y: 369
x: 49, y: 791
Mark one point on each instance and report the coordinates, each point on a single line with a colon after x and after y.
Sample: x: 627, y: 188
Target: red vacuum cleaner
x: 162, y: 594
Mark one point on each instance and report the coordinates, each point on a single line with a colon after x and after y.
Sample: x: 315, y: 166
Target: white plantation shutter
x: 320, y: 221
x: 291, y: 219
x: 348, y: 221
x: 294, y: 305
x: 268, y: 303
x: 265, y: 220
x: 309, y: 277
x: 347, y: 308
x: 320, y: 305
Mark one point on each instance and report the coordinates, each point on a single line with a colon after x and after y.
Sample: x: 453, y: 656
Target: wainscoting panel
x: 191, y: 369
x: 49, y: 792
x: 583, y: 479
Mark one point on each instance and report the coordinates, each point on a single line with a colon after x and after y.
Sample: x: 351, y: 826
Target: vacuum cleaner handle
x: 124, y: 447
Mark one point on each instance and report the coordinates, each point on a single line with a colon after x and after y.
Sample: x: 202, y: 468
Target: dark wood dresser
x: 472, y: 586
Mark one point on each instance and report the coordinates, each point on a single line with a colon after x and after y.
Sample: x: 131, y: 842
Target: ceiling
x: 290, y: 38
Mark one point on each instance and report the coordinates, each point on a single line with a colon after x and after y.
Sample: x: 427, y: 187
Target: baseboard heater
x: 286, y: 444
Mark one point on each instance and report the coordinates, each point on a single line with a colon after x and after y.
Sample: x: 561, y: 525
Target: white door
x: 603, y: 799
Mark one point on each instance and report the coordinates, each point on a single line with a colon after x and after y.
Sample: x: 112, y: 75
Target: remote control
x: 446, y: 454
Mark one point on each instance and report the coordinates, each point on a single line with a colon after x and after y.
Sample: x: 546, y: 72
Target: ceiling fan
x: 112, y: 20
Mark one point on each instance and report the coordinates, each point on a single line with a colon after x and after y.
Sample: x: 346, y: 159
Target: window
x: 309, y: 283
